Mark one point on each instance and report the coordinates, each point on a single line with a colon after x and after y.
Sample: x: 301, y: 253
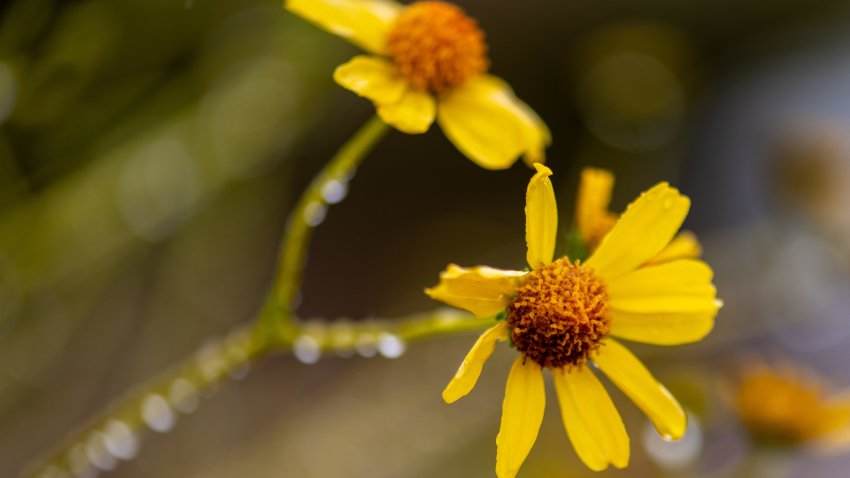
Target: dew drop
x: 183, y: 396
x: 391, y: 346
x: 211, y: 361
x: 157, y: 414
x: 314, y: 213
x: 674, y: 454
x: 668, y: 203
x: 97, y: 453
x: 306, y: 349
x: 365, y: 345
x: 120, y: 440
x: 79, y: 463
x: 334, y: 191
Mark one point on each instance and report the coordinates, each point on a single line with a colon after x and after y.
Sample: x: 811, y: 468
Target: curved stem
x: 328, y: 187
x: 115, y: 434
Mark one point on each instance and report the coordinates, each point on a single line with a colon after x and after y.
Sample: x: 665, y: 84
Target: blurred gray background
x: 151, y: 150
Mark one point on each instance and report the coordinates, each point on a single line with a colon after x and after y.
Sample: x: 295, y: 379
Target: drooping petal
x: 535, y: 132
x: 413, y: 113
x: 594, y: 196
x: 363, y: 22
x: 642, y: 231
x: 522, y: 414
x: 372, y: 77
x: 592, y: 422
x: 483, y: 121
x: 484, y: 291
x: 541, y: 218
x: 630, y: 375
x: 684, y: 246
x: 681, y: 286
x: 467, y: 374
x: 662, y: 328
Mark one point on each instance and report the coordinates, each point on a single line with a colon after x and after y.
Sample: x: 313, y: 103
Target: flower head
x: 782, y: 407
x: 429, y: 62
x: 564, y: 314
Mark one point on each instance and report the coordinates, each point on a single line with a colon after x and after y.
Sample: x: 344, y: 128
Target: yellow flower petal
x: 541, y: 218
x: 662, y: 328
x: 681, y: 286
x: 372, y: 77
x: 482, y: 125
x: 629, y: 374
x: 467, y: 374
x: 412, y: 114
x: 522, y: 414
x: 592, y: 422
x: 684, y: 246
x: 484, y: 291
x: 836, y: 414
x: 535, y: 132
x: 642, y: 231
x: 363, y: 22
x: 594, y: 196
x: 835, y: 430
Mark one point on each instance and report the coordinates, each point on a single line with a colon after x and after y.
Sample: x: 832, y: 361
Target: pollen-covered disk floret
x: 437, y: 46
x: 559, y: 314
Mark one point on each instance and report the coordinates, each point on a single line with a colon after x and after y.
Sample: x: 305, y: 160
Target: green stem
x: 327, y: 188
x: 345, y: 336
x: 155, y: 403
x: 116, y: 431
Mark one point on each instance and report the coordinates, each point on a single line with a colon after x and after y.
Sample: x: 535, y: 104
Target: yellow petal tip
x: 449, y: 398
x: 542, y: 169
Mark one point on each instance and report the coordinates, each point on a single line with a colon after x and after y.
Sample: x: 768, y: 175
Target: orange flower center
x: 436, y: 46
x: 778, y: 410
x: 559, y: 314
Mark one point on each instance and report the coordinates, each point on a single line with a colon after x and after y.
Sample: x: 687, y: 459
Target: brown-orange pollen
x: 559, y: 315
x: 436, y: 46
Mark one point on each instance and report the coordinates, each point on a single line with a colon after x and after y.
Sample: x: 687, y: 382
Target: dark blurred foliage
x: 150, y: 151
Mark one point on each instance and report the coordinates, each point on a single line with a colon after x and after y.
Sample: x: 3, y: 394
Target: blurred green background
x: 151, y: 150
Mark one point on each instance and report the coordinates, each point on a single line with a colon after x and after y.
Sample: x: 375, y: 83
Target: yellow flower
x: 593, y: 220
x: 429, y: 61
x: 562, y: 314
x: 780, y: 407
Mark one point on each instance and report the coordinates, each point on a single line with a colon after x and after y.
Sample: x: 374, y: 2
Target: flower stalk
x: 157, y: 404
x: 327, y: 188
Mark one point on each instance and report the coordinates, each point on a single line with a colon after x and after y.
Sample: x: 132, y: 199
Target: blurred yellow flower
x: 593, y: 220
x: 562, y: 314
x: 781, y: 407
x: 429, y: 61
